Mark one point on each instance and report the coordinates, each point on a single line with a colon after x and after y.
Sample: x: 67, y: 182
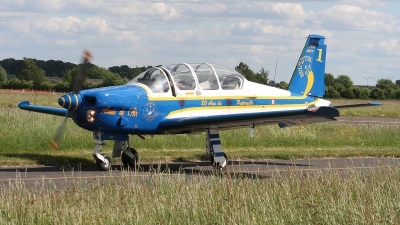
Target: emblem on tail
x: 308, y: 76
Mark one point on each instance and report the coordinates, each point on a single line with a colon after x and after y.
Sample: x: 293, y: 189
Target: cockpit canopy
x: 190, y: 77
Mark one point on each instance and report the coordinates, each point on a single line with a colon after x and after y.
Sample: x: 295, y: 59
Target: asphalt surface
x: 262, y: 169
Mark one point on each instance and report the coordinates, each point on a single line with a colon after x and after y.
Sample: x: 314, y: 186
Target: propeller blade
x: 54, y: 144
x: 87, y: 56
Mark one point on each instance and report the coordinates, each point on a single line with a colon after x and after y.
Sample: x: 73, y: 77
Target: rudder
x: 308, y: 76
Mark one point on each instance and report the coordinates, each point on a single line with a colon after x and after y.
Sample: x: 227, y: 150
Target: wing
x: 358, y: 105
x: 25, y: 105
x: 282, y: 118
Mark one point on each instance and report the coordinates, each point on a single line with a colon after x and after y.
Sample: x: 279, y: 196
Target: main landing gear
x: 129, y: 156
x: 218, y: 158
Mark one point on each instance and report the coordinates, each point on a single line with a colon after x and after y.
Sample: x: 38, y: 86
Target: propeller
x: 78, y: 83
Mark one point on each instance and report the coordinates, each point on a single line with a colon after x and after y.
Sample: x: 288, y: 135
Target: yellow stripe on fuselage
x: 208, y: 108
x: 214, y: 97
x: 238, y: 97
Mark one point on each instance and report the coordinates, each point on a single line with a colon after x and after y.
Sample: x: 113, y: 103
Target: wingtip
x: 22, y: 104
x: 375, y: 103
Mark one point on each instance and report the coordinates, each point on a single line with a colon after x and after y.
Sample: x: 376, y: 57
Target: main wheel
x: 128, y: 161
x: 104, y: 166
x: 216, y: 165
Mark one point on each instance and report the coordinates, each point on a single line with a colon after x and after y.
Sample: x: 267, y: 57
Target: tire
x: 104, y: 166
x: 216, y: 165
x: 128, y: 162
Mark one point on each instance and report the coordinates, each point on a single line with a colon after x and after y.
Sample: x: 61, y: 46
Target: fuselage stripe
x: 215, y: 97
x: 208, y: 108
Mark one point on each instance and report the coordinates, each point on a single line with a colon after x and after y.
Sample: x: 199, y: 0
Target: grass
x: 325, y: 197
x: 25, y: 137
x: 390, y: 108
x: 10, y: 99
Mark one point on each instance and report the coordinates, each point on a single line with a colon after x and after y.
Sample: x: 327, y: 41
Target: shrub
x: 46, y: 86
x: 398, y: 94
x: 330, y: 92
x: 378, y: 93
x: 364, y: 93
x: 348, y: 93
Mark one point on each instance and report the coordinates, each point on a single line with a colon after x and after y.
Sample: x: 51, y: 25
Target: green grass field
x: 25, y: 137
x: 326, y: 197
x: 390, y: 108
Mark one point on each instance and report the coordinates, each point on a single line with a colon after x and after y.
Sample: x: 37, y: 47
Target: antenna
x: 276, y: 66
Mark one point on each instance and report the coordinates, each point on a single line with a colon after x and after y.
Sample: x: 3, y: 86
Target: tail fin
x: 308, y: 76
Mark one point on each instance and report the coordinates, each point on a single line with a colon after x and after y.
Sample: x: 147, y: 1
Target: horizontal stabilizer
x: 25, y: 105
x: 358, y: 105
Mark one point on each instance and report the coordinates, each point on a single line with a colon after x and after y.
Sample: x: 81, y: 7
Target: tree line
x: 34, y: 74
x: 342, y: 87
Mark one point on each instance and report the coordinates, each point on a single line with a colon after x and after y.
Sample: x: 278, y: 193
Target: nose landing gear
x: 103, y: 164
x: 129, y: 156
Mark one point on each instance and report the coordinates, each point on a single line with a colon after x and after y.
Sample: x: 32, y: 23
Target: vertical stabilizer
x: 308, y: 76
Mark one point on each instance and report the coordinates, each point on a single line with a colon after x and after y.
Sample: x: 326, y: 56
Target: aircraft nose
x: 70, y: 101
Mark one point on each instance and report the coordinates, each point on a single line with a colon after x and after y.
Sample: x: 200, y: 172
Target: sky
x: 362, y: 36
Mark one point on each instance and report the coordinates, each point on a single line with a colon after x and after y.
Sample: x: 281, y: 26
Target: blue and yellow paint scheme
x: 190, y: 98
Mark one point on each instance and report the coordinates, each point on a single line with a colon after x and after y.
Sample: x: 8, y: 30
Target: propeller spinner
x: 70, y: 101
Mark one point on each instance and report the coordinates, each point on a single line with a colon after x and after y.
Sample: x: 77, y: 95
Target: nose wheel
x: 105, y: 164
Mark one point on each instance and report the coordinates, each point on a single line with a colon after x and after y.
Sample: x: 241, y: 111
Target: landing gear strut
x: 103, y: 162
x: 129, y: 155
x: 218, y: 158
